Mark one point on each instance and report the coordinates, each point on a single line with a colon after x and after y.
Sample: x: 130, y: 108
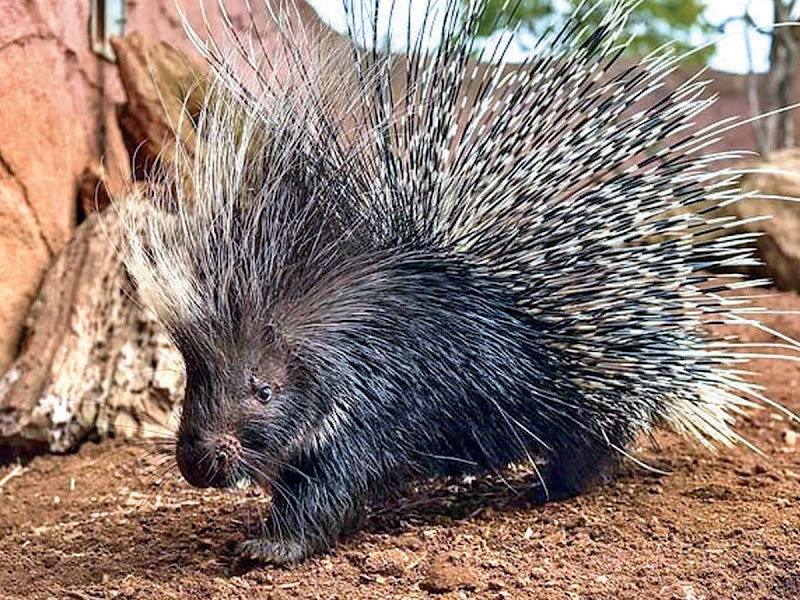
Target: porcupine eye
x: 261, y: 390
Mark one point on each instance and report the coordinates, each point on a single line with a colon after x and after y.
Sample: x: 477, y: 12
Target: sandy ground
x: 116, y: 521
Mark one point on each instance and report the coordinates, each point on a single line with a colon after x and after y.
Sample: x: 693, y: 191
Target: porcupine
x: 488, y: 267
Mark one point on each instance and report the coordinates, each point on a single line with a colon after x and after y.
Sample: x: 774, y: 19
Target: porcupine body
x: 372, y: 282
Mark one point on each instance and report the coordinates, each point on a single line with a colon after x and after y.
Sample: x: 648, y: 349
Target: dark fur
x: 441, y: 375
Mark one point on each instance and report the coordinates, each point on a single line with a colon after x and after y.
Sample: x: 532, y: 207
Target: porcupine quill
x: 373, y: 282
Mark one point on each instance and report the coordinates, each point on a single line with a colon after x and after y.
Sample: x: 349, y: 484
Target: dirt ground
x: 116, y: 521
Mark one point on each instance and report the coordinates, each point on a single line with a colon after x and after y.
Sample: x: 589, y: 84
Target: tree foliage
x: 653, y: 22
x: 777, y: 130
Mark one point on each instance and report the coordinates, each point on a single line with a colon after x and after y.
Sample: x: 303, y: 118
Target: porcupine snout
x: 210, y: 463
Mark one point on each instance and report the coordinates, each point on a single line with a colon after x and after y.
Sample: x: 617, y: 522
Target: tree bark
x: 776, y: 131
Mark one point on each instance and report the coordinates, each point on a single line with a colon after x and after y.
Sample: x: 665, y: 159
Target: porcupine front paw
x: 263, y: 551
x: 570, y: 474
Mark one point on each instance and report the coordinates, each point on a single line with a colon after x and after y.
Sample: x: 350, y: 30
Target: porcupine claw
x: 266, y: 551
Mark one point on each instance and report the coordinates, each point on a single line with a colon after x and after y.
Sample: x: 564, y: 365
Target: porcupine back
x: 529, y: 248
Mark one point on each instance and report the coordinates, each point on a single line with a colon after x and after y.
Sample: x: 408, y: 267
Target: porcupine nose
x: 209, y: 464
x: 227, y: 451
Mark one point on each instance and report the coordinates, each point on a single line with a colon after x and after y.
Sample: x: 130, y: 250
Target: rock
x: 390, y: 563
x: 445, y: 574
x: 23, y: 253
x: 56, y: 117
x: 409, y: 541
x: 92, y: 361
x: 790, y: 438
x: 93, y: 194
x: 779, y: 247
x: 157, y: 78
x: 681, y: 591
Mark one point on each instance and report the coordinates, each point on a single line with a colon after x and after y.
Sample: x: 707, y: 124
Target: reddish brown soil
x: 104, y: 523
